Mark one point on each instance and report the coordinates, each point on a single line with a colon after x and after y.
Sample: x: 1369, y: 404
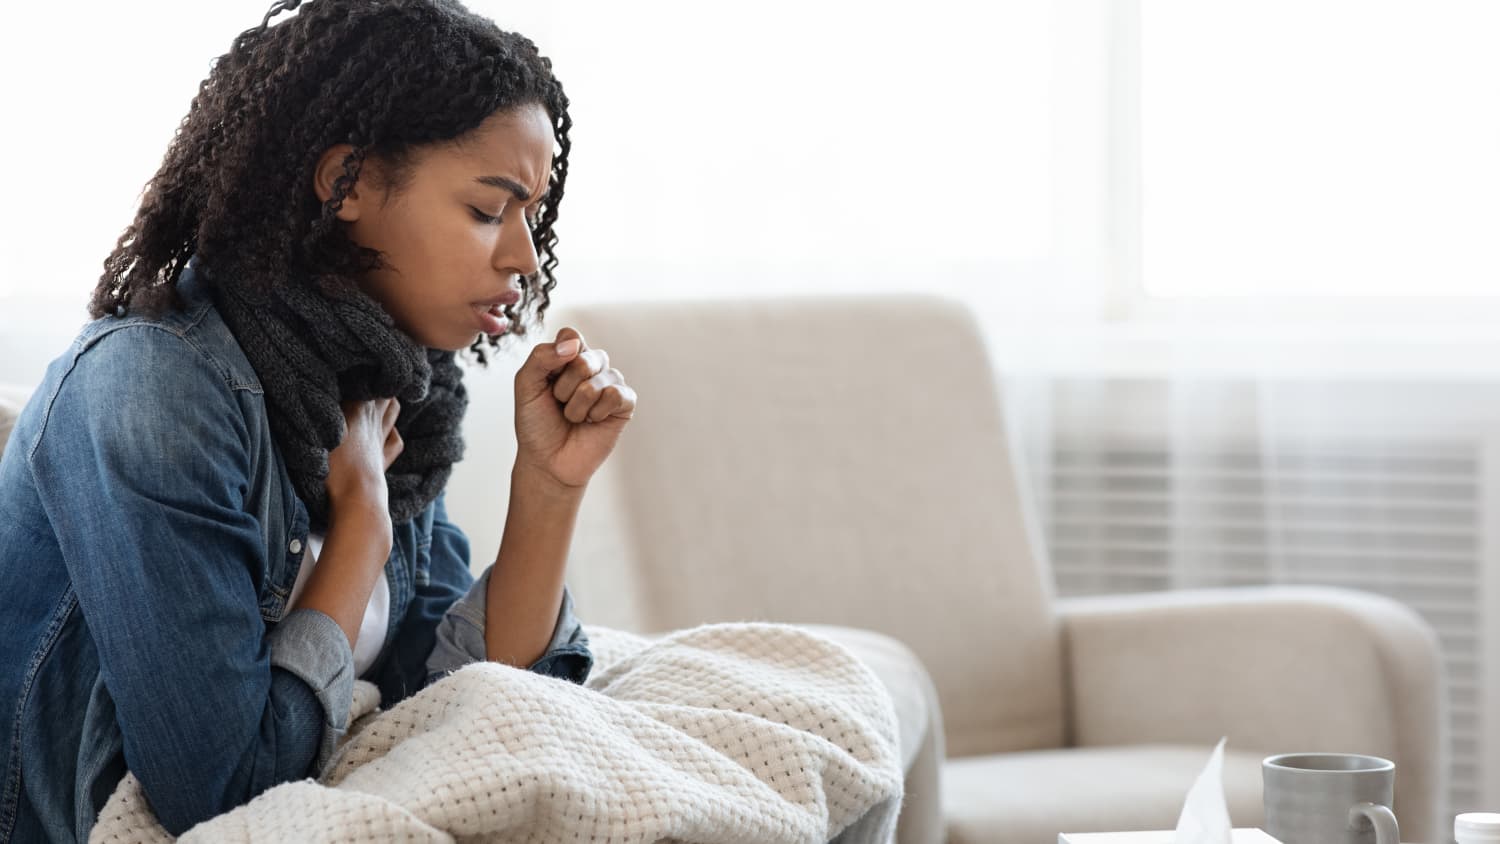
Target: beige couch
x: 842, y: 463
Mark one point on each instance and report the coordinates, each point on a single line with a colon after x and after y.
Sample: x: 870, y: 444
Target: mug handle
x: 1386, y: 830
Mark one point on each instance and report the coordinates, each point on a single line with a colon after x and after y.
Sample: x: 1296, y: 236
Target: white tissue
x: 1205, y: 815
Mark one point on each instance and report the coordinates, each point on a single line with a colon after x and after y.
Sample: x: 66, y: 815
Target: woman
x: 225, y: 500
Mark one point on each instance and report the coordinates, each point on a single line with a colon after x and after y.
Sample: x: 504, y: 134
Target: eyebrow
x: 520, y: 192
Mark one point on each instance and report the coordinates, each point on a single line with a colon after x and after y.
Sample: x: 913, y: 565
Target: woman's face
x: 455, y: 236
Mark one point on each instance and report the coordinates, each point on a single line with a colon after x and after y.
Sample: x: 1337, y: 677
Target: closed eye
x: 483, y: 217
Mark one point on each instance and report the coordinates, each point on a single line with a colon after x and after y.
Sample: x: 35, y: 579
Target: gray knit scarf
x: 314, y: 344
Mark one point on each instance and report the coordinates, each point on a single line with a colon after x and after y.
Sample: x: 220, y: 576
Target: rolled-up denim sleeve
x: 143, y: 468
x: 310, y: 645
x: 460, y: 639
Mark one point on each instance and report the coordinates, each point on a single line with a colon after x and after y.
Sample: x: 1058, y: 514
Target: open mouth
x: 492, y: 319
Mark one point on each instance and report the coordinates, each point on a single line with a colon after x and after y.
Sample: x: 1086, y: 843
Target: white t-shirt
x: 372, y: 628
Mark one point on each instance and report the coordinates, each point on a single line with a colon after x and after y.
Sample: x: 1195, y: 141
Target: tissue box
x: 1241, y: 836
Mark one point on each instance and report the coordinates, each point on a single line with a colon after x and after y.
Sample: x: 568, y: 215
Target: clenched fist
x: 571, y: 407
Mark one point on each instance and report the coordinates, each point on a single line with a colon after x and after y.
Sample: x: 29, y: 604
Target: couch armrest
x: 1276, y: 669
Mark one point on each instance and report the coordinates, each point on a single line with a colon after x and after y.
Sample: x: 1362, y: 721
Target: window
x: 1295, y: 150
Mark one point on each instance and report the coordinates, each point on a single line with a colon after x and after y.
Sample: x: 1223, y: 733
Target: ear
x: 330, y: 168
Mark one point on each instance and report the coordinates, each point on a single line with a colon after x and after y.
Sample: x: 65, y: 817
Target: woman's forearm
x: 526, y: 584
x: 355, y: 548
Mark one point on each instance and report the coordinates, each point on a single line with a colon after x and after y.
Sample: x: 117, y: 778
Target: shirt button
x: 295, y: 547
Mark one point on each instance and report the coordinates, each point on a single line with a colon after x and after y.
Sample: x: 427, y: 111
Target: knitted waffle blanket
x: 746, y: 733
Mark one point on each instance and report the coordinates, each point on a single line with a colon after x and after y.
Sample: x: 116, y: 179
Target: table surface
x: 1163, y: 836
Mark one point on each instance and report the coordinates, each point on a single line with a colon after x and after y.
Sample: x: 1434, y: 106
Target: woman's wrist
x: 537, y: 484
x: 352, y: 496
x: 365, y: 517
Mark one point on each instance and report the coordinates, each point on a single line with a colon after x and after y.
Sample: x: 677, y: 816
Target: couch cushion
x: 826, y: 460
x: 12, y: 399
x: 1028, y: 798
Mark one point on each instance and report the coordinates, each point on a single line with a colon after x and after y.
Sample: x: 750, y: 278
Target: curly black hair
x: 385, y: 76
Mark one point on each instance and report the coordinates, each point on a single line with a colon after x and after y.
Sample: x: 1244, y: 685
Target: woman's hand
x: 356, y: 468
x: 358, y: 540
x: 571, y: 407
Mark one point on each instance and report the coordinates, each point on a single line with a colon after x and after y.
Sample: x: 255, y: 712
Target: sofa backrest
x: 838, y: 461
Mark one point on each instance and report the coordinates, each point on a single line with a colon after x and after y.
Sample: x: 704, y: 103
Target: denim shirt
x: 149, y: 539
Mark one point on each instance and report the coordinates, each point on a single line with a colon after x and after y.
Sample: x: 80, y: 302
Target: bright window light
x: 1329, y: 148
x: 717, y: 148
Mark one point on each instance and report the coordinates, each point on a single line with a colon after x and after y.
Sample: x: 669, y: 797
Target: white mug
x: 1330, y: 798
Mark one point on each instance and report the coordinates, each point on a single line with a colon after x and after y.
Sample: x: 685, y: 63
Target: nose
x: 514, y: 250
